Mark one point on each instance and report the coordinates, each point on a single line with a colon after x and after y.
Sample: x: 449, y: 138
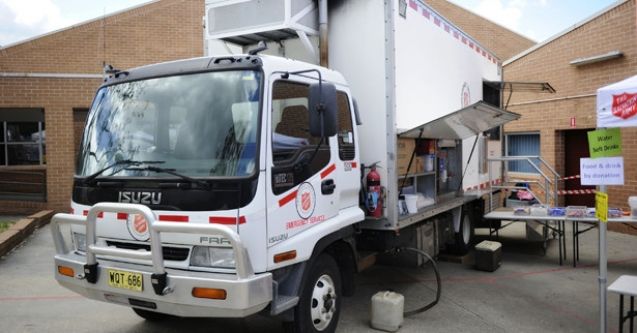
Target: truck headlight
x: 208, y: 256
x: 79, y: 241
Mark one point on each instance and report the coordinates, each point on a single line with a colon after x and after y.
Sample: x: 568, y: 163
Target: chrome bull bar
x: 159, y: 278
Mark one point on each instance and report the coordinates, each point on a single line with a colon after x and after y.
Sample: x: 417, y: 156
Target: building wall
x: 500, y: 40
x: 551, y: 114
x: 156, y: 32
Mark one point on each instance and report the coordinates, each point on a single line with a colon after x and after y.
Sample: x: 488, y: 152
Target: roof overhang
x: 464, y: 123
x: 597, y: 58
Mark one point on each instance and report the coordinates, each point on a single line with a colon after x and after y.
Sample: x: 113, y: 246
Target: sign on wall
x: 602, y: 171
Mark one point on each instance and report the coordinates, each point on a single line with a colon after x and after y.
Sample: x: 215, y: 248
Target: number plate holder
x: 125, y: 280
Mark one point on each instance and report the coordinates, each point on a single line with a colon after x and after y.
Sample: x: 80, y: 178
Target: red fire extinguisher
x: 374, y: 200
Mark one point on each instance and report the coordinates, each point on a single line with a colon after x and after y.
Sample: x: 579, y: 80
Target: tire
x: 151, y: 315
x: 464, y: 237
x: 320, y: 302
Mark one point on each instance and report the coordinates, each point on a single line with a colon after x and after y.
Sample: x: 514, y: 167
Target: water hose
x: 438, y: 282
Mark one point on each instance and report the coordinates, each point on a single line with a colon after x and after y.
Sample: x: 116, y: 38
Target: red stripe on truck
x: 99, y: 215
x: 287, y: 199
x: 173, y: 218
x: 228, y: 220
x: 327, y: 171
x: 122, y: 216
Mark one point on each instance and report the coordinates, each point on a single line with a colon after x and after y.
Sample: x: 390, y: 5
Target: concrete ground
x: 529, y: 293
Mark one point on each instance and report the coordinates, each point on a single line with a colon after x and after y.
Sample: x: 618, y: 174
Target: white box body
x: 403, y: 71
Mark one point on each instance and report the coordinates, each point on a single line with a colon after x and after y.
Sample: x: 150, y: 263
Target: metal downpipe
x: 323, y: 44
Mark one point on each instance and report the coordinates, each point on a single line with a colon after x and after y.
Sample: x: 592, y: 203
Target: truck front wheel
x: 320, y: 303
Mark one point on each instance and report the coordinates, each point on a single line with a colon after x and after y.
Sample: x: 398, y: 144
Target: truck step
x: 282, y: 303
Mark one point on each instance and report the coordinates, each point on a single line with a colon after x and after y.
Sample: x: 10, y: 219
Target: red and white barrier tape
x: 567, y: 192
x: 483, y: 185
x: 575, y: 192
x: 560, y: 192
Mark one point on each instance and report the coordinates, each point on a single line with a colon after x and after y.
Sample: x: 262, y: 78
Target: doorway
x: 576, y: 147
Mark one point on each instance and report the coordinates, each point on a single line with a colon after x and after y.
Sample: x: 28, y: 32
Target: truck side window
x: 346, y: 148
x: 292, y: 144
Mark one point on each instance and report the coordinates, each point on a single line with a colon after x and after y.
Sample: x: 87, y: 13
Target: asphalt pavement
x: 529, y: 293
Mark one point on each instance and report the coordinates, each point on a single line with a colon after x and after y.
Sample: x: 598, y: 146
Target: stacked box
x: 405, y: 150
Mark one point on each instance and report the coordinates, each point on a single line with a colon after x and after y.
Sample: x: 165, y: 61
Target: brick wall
x: 550, y: 114
x: 500, y: 40
x: 159, y: 31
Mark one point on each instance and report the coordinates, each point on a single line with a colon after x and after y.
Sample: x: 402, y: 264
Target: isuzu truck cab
x: 197, y: 180
x: 231, y: 185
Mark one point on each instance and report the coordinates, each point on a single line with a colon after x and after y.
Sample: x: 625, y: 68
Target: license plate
x: 125, y: 280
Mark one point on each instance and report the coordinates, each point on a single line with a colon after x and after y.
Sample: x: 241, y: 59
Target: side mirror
x: 322, y: 107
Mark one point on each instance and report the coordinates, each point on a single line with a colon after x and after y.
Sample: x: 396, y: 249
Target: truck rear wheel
x: 464, y: 236
x: 320, y: 303
x: 151, y: 315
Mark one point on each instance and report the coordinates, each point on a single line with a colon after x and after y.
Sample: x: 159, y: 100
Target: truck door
x: 348, y: 170
x: 302, y: 188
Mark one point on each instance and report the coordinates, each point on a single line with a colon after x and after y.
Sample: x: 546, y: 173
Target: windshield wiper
x: 172, y: 172
x: 91, y: 178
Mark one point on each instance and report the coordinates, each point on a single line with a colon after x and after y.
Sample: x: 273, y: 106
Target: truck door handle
x: 328, y: 186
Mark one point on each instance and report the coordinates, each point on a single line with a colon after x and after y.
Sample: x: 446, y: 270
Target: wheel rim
x: 323, y: 303
x: 466, y: 230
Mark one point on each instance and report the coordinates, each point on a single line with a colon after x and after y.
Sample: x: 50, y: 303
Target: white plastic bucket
x: 429, y: 163
x: 412, y: 203
x: 632, y: 202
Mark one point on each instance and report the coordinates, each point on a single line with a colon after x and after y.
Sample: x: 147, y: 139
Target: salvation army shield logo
x: 624, y: 105
x: 138, y: 227
x: 465, y: 96
x: 305, y: 200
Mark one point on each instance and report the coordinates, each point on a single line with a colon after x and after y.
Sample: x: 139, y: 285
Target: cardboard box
x: 419, y: 164
x: 405, y: 149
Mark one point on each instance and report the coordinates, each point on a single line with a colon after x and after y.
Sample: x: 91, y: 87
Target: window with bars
x: 526, y: 144
x: 22, y: 137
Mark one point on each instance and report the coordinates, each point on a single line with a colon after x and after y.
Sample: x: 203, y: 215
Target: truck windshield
x: 199, y: 125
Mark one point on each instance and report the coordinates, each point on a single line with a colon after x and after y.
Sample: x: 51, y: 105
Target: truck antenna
x: 262, y: 46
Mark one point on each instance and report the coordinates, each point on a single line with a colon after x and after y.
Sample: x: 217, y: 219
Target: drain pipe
x: 323, y: 46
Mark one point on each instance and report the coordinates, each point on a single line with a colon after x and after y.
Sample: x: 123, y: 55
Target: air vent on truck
x: 170, y: 253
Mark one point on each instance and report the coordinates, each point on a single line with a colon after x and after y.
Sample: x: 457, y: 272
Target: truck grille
x: 170, y: 253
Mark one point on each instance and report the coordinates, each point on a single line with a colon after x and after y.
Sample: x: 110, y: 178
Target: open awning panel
x: 519, y: 86
x: 464, y: 123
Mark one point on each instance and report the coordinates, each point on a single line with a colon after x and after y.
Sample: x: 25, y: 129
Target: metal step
x: 281, y: 303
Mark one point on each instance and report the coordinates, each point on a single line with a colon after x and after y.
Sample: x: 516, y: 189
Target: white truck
x: 230, y: 185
